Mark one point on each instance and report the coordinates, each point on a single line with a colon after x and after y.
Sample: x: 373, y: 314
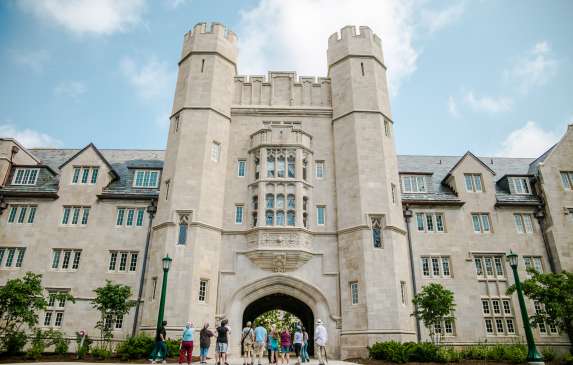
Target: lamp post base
x: 536, y: 363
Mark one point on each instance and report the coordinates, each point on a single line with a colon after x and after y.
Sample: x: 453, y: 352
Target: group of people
x: 279, y: 343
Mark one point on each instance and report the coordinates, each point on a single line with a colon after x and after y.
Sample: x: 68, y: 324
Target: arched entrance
x: 286, y: 303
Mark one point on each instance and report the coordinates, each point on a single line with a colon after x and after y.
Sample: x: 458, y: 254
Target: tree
x: 555, y: 292
x: 112, y: 301
x: 278, y: 318
x: 20, y: 301
x: 433, y: 305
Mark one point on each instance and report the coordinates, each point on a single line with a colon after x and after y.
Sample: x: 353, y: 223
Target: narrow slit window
x: 362, y: 67
x: 202, y: 65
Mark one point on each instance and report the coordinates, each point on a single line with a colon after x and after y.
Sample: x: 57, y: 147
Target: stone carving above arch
x: 279, y: 251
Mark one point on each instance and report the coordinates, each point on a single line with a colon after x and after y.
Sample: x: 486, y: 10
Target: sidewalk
x: 232, y: 361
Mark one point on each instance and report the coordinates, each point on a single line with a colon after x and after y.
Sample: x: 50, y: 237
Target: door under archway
x: 288, y: 304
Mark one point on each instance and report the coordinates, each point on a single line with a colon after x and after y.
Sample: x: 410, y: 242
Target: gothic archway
x: 286, y: 303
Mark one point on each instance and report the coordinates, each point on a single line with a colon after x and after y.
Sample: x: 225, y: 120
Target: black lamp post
x: 533, y: 356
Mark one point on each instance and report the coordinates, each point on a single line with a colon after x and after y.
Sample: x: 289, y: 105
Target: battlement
x: 214, y: 37
x: 350, y: 42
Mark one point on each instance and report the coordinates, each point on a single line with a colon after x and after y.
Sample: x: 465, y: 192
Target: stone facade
x: 287, y: 191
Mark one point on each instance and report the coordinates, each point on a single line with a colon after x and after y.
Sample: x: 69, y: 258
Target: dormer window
x: 474, y: 183
x: 146, y: 179
x: 520, y: 185
x: 414, y: 184
x: 85, y: 175
x: 25, y: 176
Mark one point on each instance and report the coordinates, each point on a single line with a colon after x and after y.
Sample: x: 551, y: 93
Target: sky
x: 492, y: 77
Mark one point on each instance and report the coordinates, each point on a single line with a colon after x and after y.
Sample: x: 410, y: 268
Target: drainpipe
x: 151, y: 210
x: 540, y: 216
x: 408, y: 216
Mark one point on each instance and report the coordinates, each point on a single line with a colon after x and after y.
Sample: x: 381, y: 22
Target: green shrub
x: 101, y: 353
x: 85, y: 348
x: 38, y: 345
x: 422, y: 352
x: 515, y: 354
x: 448, y: 355
x: 567, y: 359
x: 13, y: 343
x: 475, y: 352
x: 390, y: 351
x: 496, y: 353
x: 548, y: 354
x: 136, y: 347
x: 172, y: 347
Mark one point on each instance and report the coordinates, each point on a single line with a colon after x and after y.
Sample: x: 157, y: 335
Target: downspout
x: 540, y: 216
x: 151, y: 209
x: 408, y: 216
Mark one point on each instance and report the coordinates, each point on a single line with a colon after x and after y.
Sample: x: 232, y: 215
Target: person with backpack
x: 222, y: 344
x: 186, y: 348
x: 205, y: 342
x: 247, y: 339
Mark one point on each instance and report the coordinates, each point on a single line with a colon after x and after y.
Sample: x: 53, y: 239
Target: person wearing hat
x: 320, y: 338
x: 298, y: 340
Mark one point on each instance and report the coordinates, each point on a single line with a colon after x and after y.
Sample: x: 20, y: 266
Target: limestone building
x: 286, y: 192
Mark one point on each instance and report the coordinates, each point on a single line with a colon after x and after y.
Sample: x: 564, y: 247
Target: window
x: 241, y: 168
x: 122, y: 261
x: 281, y: 167
x: 319, y: 169
x: 257, y: 168
x: 154, y: 286
x: 203, y: 286
x: 445, y: 328
x: 520, y: 185
x: 489, y: 266
x: 291, y: 167
x: 215, y: 151
x: 498, y: 316
x: 22, y: 214
x: 281, y: 163
x: 54, y: 313
x: 414, y: 184
x: 66, y: 259
x: 523, y: 223
x: 129, y: 217
x: 376, y: 231
x: 291, y: 218
x: 436, y: 266
x: 403, y: 292
x: 320, y: 215
x: 183, y: 226
x: 146, y: 179
x: 430, y: 222
x: 11, y: 257
x: 238, y: 214
x: 394, y: 197
x: 85, y: 175
x: 25, y: 176
x: 567, y: 179
x: 354, y: 292
x: 75, y: 215
x: 473, y: 183
x: 113, y: 323
x: 481, y: 222
x: 304, y: 169
x: 387, y: 130
x: 545, y: 328
x: 533, y: 262
x: 271, y: 166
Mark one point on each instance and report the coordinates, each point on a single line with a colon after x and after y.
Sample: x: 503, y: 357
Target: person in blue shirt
x: 186, y: 348
x: 260, y: 339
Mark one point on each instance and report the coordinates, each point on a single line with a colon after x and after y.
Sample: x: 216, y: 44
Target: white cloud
x: 487, y: 103
x: 88, y: 16
x: 527, y: 141
x: 293, y: 35
x: 70, y: 89
x: 151, y: 79
x: 35, y: 59
x: 29, y: 138
x: 535, y: 68
x: 435, y: 20
x: 453, y: 107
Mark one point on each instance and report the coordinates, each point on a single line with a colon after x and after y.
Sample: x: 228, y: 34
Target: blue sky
x: 488, y: 76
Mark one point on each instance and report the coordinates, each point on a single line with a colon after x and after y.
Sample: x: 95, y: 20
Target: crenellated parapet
x: 351, y: 43
x: 210, y: 38
x: 282, y: 89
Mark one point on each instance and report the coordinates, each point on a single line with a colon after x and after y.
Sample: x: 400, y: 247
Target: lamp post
x: 166, y: 266
x: 533, y: 356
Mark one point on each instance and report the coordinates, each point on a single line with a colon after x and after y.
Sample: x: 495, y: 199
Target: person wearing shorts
x: 222, y: 344
x: 298, y: 340
x: 260, y: 340
x: 247, y: 340
x: 285, y: 345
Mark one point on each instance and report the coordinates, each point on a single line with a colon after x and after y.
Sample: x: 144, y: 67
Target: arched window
x: 281, y: 166
x: 304, y: 203
x: 257, y: 168
x: 270, y: 201
x: 290, y: 218
x: 280, y: 218
x: 291, y: 166
x: 305, y: 220
x: 291, y: 203
x: 254, y: 220
x: 255, y: 202
x: 271, y: 166
x: 269, y: 217
x: 304, y: 168
x: 280, y: 201
x: 376, y: 232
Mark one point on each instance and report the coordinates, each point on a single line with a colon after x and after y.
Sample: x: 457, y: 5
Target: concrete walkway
x: 212, y: 362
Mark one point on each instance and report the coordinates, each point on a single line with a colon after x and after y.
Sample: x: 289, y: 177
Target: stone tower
x: 190, y: 207
x: 368, y: 198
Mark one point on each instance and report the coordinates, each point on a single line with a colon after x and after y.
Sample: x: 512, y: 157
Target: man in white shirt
x: 320, y: 338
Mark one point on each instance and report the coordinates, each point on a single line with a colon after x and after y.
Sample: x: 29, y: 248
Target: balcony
x: 279, y: 250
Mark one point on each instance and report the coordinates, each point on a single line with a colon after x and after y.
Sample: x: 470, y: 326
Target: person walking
x: 285, y: 345
x: 273, y: 344
x: 160, y: 349
x: 260, y: 340
x: 222, y: 345
x: 205, y: 342
x: 186, y: 348
x: 247, y: 339
x: 298, y: 340
x: 320, y: 338
x: 304, y: 355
